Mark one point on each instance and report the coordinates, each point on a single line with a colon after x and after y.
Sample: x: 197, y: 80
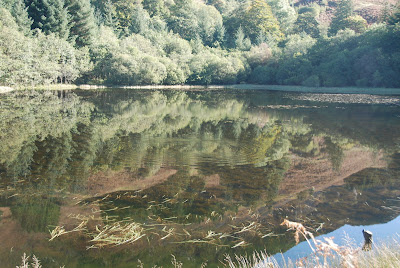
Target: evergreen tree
x: 386, y: 12
x: 241, y: 42
x: 20, y: 13
x: 50, y: 16
x: 109, y: 15
x: 343, y: 11
x: 155, y: 7
x: 140, y: 21
x: 124, y: 10
x: 7, y: 4
x: 219, y: 35
x: 395, y: 17
x: 307, y: 23
x: 284, y: 13
x: 82, y: 22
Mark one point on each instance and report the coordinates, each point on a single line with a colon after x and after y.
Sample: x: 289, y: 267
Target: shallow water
x: 120, y: 176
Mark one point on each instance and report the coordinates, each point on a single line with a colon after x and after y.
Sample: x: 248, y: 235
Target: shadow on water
x: 192, y: 174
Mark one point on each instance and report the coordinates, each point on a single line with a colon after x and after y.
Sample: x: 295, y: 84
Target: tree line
x: 141, y: 42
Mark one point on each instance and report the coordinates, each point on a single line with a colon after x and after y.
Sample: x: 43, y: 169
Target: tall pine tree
x: 109, y: 15
x: 20, y: 14
x: 50, y: 16
x: 343, y: 11
x: 82, y: 22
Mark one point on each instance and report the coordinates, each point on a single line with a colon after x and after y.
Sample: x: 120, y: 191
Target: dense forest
x: 147, y: 42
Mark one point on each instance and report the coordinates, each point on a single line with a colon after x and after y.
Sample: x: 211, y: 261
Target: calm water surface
x: 107, y: 178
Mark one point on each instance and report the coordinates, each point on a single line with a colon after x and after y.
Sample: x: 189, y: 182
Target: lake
x: 116, y: 178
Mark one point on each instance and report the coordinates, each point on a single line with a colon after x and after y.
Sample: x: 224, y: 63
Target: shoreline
x: 283, y: 88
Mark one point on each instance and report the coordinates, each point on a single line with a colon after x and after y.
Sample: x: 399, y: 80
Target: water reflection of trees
x: 31, y: 117
x: 66, y: 137
x: 227, y: 153
x: 62, y: 138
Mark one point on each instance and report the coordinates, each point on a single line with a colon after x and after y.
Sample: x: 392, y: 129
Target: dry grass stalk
x: 299, y: 229
x: 60, y: 230
x: 56, y: 232
x: 117, y: 234
x: 257, y: 260
x: 25, y: 262
x: 327, y: 248
x: 175, y: 263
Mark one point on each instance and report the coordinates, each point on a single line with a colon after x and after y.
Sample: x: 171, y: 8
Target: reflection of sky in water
x: 381, y: 233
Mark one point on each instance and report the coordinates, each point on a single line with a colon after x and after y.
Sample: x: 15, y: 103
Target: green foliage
x: 190, y: 19
x: 207, y: 68
x: 264, y: 75
x: 190, y: 41
x: 183, y: 20
x: 284, y: 11
x: 343, y: 11
x: 293, y: 71
x: 258, y: 18
x: 298, y: 44
x: 307, y: 23
x: 82, y: 22
x: 312, y: 81
x: 156, y: 7
x: 140, y: 22
x: 241, y: 42
x: 41, y: 59
x: 108, y: 14
x: 20, y: 14
x: 356, y: 23
x: 395, y: 17
x: 259, y: 55
x: 314, y: 10
x: 50, y: 16
x: 124, y: 10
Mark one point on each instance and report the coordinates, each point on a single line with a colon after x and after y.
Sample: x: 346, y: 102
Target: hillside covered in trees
x: 142, y: 42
